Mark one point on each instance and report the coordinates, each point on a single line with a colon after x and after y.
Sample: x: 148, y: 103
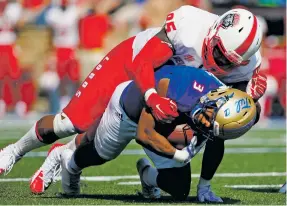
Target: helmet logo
x: 229, y: 96
x: 242, y: 104
x: 230, y: 20
x: 227, y: 112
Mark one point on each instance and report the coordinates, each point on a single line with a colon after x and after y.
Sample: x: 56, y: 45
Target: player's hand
x: 204, y: 118
x: 163, y: 109
x: 187, y: 153
x: 256, y: 87
x: 191, y: 149
x: 204, y: 194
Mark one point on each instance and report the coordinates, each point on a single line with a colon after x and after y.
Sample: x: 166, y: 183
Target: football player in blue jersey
x: 210, y: 108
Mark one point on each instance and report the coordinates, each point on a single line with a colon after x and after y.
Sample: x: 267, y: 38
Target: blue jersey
x: 186, y: 86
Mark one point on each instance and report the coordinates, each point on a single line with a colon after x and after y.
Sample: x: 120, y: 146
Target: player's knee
x: 63, y: 127
x: 53, y: 127
x: 182, y: 188
x: 44, y: 129
x: 175, y: 181
x: 182, y: 191
x: 85, y: 150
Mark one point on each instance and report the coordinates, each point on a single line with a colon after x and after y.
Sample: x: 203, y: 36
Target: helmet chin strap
x: 215, y: 128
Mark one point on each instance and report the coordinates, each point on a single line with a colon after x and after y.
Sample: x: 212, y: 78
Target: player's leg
x: 212, y: 157
x: 176, y: 181
x: 169, y: 175
x: 114, y: 132
x: 51, y: 168
x: 45, y: 131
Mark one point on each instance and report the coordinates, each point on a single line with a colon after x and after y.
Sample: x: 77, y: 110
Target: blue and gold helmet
x: 234, y: 113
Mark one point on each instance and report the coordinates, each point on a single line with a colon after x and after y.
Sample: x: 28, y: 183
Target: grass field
x: 251, y: 173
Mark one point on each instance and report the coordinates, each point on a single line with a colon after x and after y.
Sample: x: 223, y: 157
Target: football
x: 177, y: 137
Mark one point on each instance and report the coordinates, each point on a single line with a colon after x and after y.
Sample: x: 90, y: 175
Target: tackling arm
x: 154, y: 54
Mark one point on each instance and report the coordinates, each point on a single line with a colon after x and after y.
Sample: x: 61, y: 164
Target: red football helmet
x: 231, y: 41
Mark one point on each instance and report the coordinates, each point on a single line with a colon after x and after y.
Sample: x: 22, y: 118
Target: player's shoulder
x: 191, y: 9
x: 182, y: 76
x: 195, y: 14
x: 189, y: 24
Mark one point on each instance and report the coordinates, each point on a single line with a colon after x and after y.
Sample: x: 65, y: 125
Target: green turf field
x: 254, y: 164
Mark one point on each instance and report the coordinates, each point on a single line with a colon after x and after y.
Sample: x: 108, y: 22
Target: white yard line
x: 130, y: 183
x: 252, y: 140
x: 252, y: 186
x: 251, y: 150
x: 136, y: 177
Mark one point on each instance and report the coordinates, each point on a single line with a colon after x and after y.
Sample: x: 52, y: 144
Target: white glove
x: 186, y: 153
x: 204, y: 194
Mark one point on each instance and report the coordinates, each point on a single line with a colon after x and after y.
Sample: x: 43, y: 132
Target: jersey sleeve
x: 173, y: 23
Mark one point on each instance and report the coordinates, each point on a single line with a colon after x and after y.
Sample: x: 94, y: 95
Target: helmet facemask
x: 205, y: 104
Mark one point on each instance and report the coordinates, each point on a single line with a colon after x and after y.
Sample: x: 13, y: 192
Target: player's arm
x: 256, y: 87
x: 155, y: 53
x: 150, y: 138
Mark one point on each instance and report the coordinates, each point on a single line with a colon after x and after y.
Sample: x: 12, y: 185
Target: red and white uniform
x: 135, y: 57
x: 65, y: 26
x: 8, y: 19
x: 186, y: 29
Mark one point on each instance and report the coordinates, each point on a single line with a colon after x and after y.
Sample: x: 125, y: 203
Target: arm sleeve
x: 154, y: 54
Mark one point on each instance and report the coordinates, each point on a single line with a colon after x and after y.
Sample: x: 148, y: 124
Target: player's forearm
x: 152, y: 140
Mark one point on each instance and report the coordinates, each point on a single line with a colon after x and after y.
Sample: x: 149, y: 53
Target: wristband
x: 180, y: 155
x: 148, y: 93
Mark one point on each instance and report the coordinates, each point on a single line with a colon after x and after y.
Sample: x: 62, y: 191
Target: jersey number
x: 170, y: 26
x: 198, y: 87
